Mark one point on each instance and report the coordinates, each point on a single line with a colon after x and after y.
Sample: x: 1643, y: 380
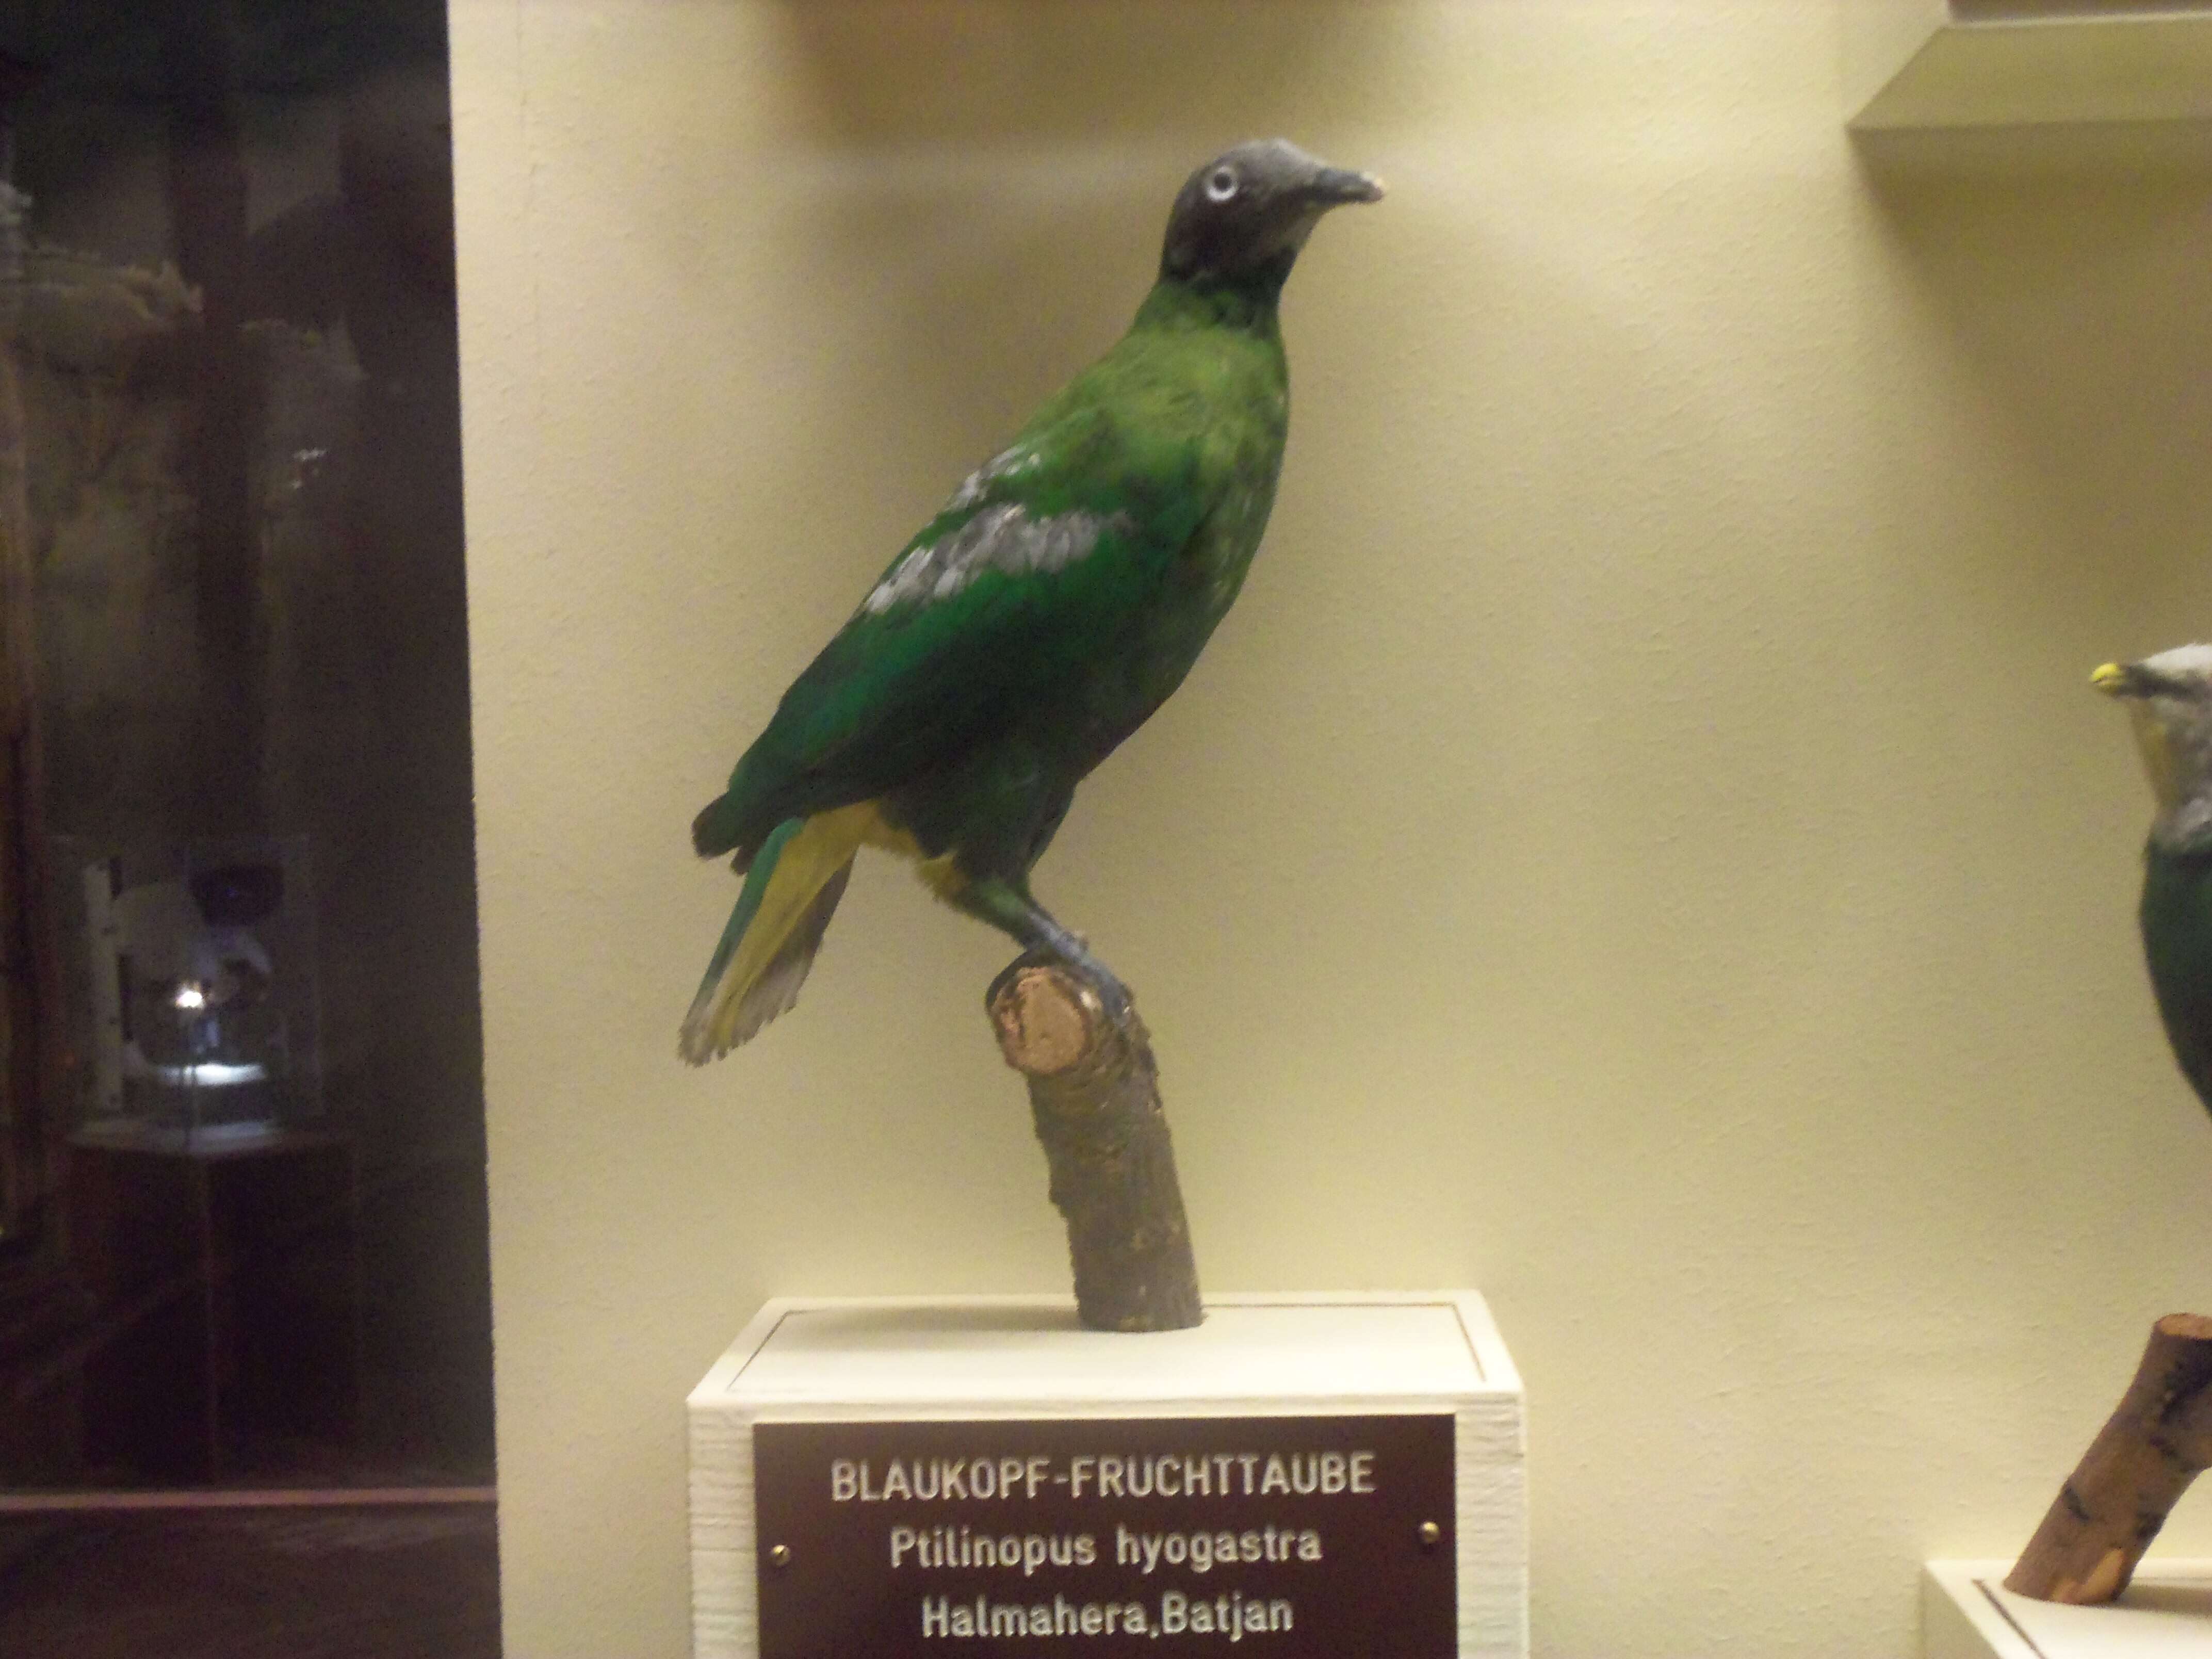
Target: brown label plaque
x: 1308, y: 1537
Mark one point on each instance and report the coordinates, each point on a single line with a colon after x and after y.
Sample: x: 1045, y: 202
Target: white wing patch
x: 1006, y: 464
x: 1003, y: 537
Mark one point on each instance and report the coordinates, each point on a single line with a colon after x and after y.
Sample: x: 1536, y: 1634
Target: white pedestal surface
x: 2165, y: 1614
x: 1025, y: 1359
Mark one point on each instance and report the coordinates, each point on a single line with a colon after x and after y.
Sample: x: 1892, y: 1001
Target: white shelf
x: 1968, y: 1614
x: 836, y: 1361
x: 1978, y: 63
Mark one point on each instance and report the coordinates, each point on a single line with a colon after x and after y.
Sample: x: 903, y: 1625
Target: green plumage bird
x: 1052, y: 604
x: 2169, y: 701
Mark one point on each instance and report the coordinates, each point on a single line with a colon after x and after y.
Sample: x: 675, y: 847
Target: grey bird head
x: 2169, y: 701
x: 1244, y: 214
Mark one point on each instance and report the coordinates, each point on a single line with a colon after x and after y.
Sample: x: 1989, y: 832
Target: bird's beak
x: 1333, y: 186
x: 2132, y: 682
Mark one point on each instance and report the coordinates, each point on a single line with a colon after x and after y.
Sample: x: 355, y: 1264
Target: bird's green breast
x: 2177, y: 934
x: 1204, y: 377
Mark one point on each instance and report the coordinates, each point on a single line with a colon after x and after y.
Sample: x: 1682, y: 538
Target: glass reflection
x: 242, y: 1234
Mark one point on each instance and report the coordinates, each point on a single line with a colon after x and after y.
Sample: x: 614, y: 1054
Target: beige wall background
x: 1644, y: 846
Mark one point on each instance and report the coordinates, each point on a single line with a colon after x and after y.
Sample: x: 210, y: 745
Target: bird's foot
x: 1113, y: 997
x: 1006, y: 906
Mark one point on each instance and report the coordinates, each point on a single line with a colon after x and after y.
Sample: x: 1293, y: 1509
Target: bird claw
x: 1113, y: 997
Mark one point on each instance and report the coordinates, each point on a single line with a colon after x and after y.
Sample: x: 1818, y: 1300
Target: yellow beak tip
x: 2110, y: 678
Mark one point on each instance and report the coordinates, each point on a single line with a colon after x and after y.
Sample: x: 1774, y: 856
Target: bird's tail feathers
x: 790, y: 894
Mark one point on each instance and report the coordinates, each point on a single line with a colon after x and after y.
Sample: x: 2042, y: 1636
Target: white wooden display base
x: 809, y: 1360
x: 1968, y: 1614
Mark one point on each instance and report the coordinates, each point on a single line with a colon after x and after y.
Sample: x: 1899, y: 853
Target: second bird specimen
x: 2169, y: 699
x: 1052, y: 604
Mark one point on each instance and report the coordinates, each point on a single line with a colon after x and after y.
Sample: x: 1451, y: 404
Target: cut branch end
x: 1095, y: 1100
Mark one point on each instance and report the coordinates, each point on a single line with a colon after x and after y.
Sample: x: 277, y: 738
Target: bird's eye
x: 1221, y: 184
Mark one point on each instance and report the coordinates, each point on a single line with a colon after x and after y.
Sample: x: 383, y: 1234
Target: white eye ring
x: 1220, y: 184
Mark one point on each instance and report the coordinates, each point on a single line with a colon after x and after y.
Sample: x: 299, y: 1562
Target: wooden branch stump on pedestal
x: 2157, y: 1442
x: 1094, y: 1094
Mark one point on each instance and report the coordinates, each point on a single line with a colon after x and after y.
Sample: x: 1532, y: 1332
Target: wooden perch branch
x: 1094, y: 1093
x: 2134, y: 1471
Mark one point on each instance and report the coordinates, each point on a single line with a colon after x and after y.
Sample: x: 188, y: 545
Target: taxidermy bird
x: 1056, y: 599
x: 2169, y: 701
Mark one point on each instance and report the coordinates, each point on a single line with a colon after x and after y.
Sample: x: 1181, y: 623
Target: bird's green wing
x: 1037, y: 566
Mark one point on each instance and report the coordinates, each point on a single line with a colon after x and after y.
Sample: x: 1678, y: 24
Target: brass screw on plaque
x: 1431, y: 1534
x: 780, y: 1555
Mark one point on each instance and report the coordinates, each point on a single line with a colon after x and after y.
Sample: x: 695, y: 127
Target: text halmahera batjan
x: 1233, y: 1615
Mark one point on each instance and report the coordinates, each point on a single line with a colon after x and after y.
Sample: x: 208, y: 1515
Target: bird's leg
x: 1008, y: 907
